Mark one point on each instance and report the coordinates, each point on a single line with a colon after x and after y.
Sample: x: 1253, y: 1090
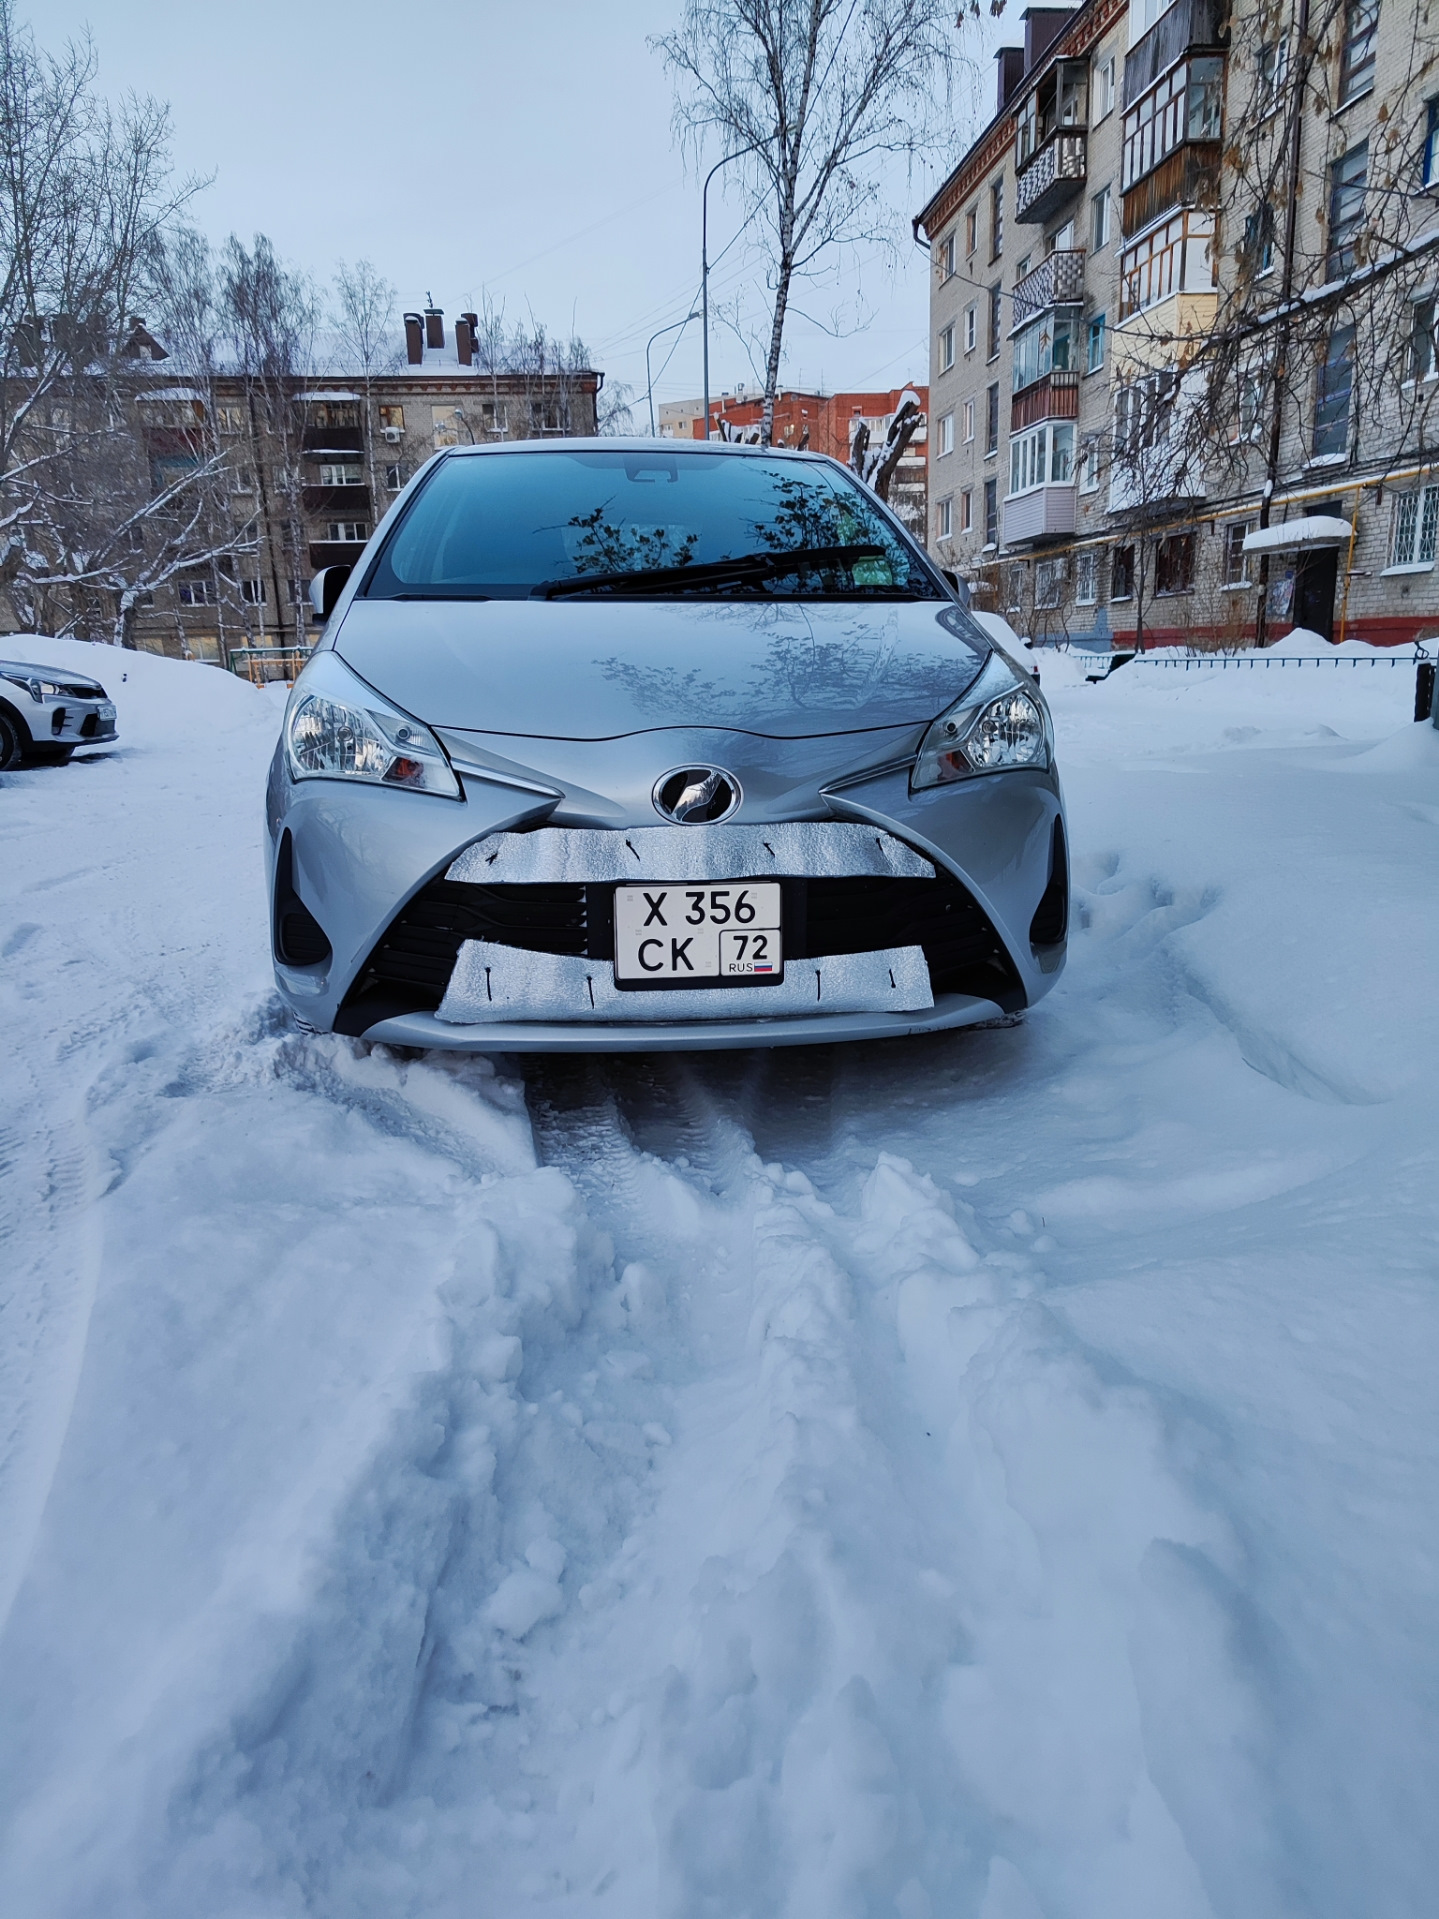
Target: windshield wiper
x: 742, y: 570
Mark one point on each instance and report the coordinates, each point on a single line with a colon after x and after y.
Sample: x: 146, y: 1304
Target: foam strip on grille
x: 503, y: 983
x: 820, y: 849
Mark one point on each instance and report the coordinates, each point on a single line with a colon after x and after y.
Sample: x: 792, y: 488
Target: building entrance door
x: 1315, y: 580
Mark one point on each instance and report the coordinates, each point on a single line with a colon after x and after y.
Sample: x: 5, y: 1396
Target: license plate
x: 106, y: 712
x: 728, y: 934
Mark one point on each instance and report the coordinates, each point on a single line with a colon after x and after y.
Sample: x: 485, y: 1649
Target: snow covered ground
x: 983, y: 1478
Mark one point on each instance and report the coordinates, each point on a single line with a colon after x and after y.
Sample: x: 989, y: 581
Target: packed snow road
x: 973, y: 1479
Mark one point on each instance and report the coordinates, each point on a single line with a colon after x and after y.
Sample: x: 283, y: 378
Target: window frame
x: 991, y: 512
x: 1096, y: 329
x: 1236, y: 560
x: 1416, y: 525
x: 1101, y: 222
x: 1086, y: 576
x: 1333, y: 423
x: 946, y: 347
x: 1348, y: 190
x: 967, y: 417
x: 991, y: 419
x: 1358, y: 50
x: 944, y: 436
x: 996, y: 218
x: 966, y: 509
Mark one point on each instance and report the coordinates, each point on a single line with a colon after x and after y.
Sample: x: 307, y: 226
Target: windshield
x: 512, y: 525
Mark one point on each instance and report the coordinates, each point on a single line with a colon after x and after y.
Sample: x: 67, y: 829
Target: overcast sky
x: 518, y: 150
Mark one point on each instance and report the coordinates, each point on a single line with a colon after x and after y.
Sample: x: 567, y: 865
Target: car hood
x: 52, y: 673
x: 557, y: 670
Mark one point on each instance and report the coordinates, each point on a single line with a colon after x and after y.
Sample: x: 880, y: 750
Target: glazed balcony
x: 1059, y: 281
x: 1053, y: 177
x: 345, y: 502
x: 1188, y: 27
x: 320, y: 441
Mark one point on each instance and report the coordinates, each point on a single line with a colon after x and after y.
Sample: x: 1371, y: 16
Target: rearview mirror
x: 326, y: 588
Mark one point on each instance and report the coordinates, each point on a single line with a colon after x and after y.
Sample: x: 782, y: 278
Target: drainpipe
x: 1281, y: 357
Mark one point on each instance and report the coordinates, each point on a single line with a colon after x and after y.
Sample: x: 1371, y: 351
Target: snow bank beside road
x: 985, y: 1478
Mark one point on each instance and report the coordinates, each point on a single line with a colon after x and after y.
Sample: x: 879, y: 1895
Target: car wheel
x: 12, y: 747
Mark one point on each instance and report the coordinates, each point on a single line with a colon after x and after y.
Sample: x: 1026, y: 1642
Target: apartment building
x: 311, y: 464
x: 1162, y: 276
x: 823, y: 423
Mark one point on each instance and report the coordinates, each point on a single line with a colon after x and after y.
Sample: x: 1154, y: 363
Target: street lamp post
x: 649, y: 383
x: 753, y: 147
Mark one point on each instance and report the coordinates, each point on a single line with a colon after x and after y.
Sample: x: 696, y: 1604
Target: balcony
x: 1188, y: 178
x: 1058, y: 282
x: 320, y: 441
x: 345, y: 502
x: 1044, y: 513
x: 1184, y: 28
x: 1055, y: 397
x: 1052, y: 178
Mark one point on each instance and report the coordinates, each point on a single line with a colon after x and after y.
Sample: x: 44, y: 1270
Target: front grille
x: 411, y: 964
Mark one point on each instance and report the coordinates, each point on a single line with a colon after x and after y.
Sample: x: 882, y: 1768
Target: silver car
x: 620, y: 745
x: 46, y: 713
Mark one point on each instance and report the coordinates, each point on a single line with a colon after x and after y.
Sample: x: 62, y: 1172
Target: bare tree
x: 814, y: 94
x: 84, y: 192
x: 364, y: 322
x: 876, y: 465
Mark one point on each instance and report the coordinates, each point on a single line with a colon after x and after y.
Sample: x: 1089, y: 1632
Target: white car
x: 46, y: 713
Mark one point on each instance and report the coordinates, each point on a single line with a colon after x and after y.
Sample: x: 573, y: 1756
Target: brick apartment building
x: 1139, y: 357
x: 309, y: 469
x: 823, y: 423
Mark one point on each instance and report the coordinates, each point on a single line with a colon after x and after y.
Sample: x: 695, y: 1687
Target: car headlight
x: 998, y: 723
x: 337, y: 728
x: 37, y: 689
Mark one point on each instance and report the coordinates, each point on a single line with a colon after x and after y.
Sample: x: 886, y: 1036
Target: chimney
x: 1011, y: 72
x: 1042, y: 27
x: 414, y: 339
x: 434, y: 326
x: 466, y: 328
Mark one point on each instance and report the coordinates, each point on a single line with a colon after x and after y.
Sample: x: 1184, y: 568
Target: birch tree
x: 816, y: 95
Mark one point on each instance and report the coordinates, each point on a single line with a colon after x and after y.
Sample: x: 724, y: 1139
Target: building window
x: 1334, y: 389
x: 971, y: 231
x: 1431, y: 144
x: 996, y: 220
x: 968, y: 421
x: 996, y: 322
x: 1142, y: 412
x: 299, y: 592
x: 944, y: 519
x: 1049, y: 578
x: 347, y: 532
x: 230, y: 419
x: 252, y: 592
x: 1236, y: 560
x: 947, y: 251
x: 1104, y: 89
x: 1416, y: 527
x: 1042, y: 457
x: 1099, y: 223
x: 946, y: 349
x: 1186, y: 105
x: 1088, y: 467
x: 946, y: 435
x: 1094, y: 344
x: 991, y: 419
x: 1273, y: 66
x: 1421, y: 362
x: 445, y: 425
x: 494, y: 417
x: 1176, y: 257
x: 1356, y: 65
x: 1086, y: 577
x: 1251, y: 405
x: 196, y: 592
x: 392, y: 417
x: 1347, y: 177
x: 341, y: 475
x: 991, y: 513
x: 1174, y: 564
x: 966, y: 510
x: 1259, y: 240
x: 393, y: 481
x: 334, y: 413
x: 1121, y: 574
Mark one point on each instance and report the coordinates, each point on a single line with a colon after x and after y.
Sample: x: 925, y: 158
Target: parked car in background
x: 45, y: 714
x: 612, y: 745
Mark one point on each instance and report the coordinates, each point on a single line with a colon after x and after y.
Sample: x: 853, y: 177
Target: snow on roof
x: 173, y: 393
x: 333, y: 393
x: 1314, y: 529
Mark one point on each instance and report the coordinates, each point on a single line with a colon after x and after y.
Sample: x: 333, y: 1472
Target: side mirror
x: 326, y: 588
x: 961, y: 587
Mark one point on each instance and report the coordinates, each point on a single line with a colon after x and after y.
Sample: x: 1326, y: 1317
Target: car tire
x: 12, y: 744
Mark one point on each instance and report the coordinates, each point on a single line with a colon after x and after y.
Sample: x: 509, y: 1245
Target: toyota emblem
x: 696, y: 795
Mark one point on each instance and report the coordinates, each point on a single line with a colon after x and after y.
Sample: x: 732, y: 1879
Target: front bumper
x: 357, y: 858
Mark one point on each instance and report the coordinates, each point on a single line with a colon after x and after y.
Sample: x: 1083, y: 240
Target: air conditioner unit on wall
x: 394, y: 434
